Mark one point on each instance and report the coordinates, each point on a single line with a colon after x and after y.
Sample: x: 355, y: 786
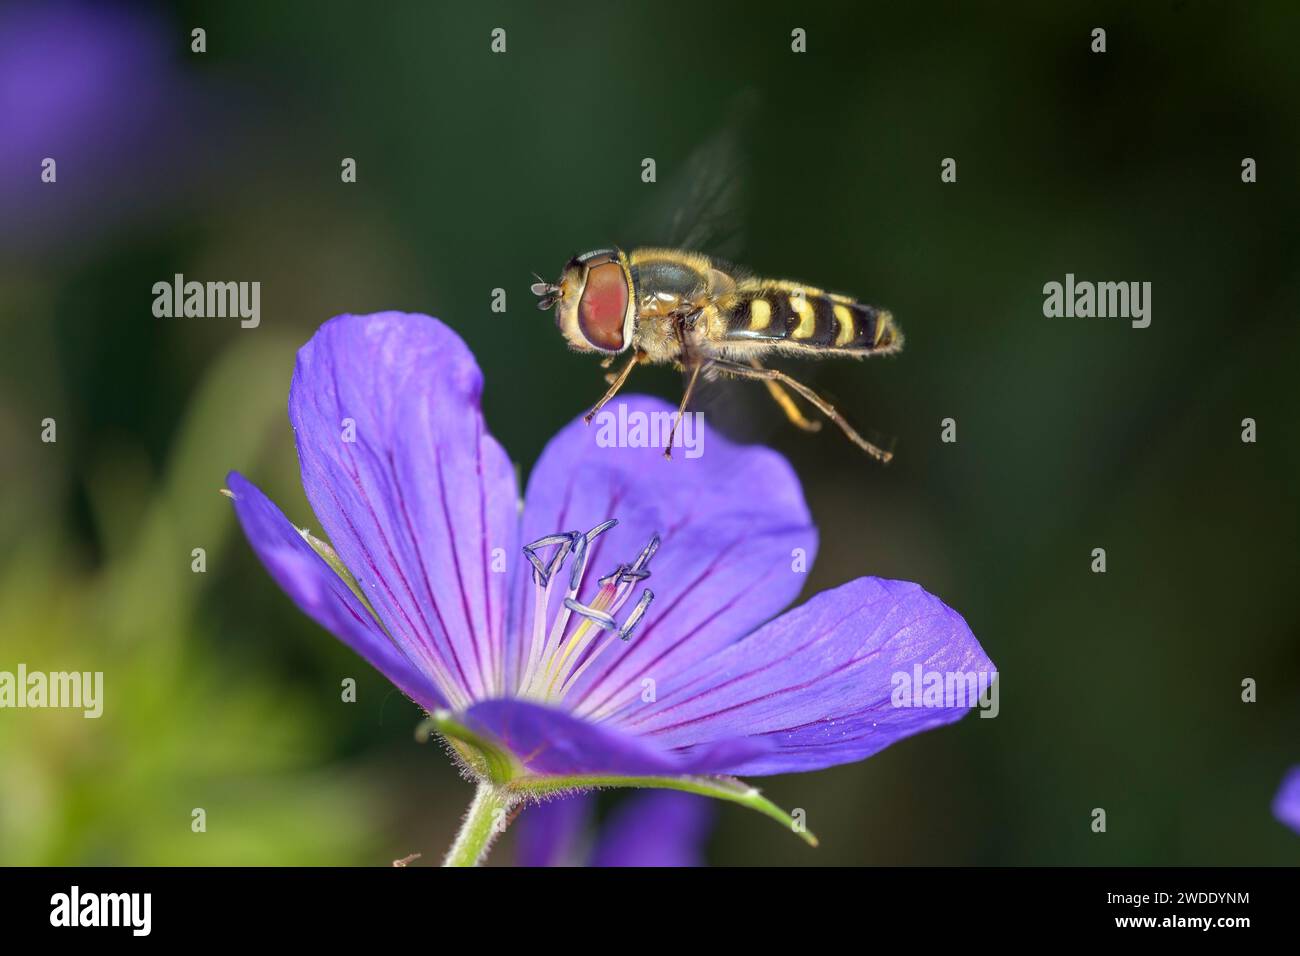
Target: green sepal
x: 719, y: 788
x: 332, y: 558
x: 490, y: 762
x: 486, y: 759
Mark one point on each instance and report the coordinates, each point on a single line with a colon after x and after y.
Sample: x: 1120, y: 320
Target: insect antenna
x: 548, y: 293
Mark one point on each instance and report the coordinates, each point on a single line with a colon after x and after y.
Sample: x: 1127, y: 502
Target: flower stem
x: 485, y: 820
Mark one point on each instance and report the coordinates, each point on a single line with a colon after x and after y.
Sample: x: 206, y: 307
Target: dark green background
x: 1119, y: 691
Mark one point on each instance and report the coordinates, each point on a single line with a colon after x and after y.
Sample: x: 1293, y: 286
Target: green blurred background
x: 1119, y: 691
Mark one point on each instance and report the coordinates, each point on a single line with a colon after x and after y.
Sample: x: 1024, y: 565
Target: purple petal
x: 320, y: 593
x: 413, y: 493
x: 550, y: 742
x: 656, y: 828
x: 820, y: 682
x: 551, y: 833
x: 731, y: 520
x: 1286, y: 805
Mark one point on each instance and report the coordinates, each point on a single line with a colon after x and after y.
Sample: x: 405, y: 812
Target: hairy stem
x: 485, y: 820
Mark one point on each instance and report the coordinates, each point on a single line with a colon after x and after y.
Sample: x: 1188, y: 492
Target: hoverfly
x: 669, y: 306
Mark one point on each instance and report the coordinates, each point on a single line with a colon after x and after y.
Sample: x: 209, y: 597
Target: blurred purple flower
x: 1286, y: 805
x: 525, y: 660
x: 553, y: 832
x: 95, y: 87
x: 657, y: 828
x: 651, y: 828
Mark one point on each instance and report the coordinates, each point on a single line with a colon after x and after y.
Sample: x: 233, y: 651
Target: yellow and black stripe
x: 809, y: 318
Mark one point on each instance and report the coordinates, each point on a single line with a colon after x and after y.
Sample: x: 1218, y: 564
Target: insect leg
x: 825, y: 407
x: 787, y: 404
x: 614, y: 386
x: 686, y: 397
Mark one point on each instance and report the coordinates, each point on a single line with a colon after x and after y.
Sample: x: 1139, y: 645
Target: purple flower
x: 556, y: 673
x: 98, y: 88
x: 1286, y: 805
x: 653, y: 828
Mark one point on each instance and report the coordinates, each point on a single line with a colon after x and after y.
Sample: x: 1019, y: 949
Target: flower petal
x: 1286, y: 805
x: 550, y: 742
x: 736, y: 539
x: 655, y: 828
x: 551, y: 833
x: 319, y: 592
x: 413, y: 493
x: 819, y: 682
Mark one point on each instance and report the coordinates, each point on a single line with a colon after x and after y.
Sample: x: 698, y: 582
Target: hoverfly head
x: 595, y: 299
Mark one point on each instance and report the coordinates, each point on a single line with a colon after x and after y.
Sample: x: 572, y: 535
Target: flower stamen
x: 542, y: 571
x: 633, y: 619
x: 555, y: 662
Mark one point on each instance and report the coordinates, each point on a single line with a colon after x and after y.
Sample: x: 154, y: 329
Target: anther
x: 542, y: 571
x: 624, y: 574
x: 601, y: 528
x: 579, y: 565
x: 599, y: 618
x: 560, y: 554
x: 647, y: 553
x: 633, y: 619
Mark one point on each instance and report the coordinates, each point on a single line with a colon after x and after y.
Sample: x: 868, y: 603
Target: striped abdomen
x: 797, y: 316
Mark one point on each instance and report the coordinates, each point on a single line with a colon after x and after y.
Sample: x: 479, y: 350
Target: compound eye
x: 603, y: 307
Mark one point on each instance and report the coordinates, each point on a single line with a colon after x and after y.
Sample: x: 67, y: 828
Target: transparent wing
x: 701, y: 205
